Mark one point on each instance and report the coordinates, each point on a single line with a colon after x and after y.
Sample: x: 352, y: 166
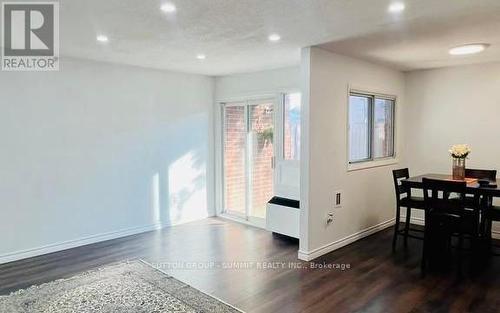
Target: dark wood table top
x: 473, y: 188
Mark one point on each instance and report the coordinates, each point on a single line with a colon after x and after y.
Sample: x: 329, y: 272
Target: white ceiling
x: 233, y: 33
x: 423, y: 43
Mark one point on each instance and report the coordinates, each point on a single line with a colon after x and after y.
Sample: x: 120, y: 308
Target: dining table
x: 492, y: 190
x: 473, y: 186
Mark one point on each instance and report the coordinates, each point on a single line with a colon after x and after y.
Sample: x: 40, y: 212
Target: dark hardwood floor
x: 377, y: 280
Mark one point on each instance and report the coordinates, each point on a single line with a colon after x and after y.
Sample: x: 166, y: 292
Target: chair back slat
x: 399, y: 175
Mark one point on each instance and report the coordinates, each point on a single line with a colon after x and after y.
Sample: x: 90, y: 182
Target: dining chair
x: 491, y: 214
x: 486, y: 202
x: 406, y: 200
x: 446, y: 217
x: 490, y: 175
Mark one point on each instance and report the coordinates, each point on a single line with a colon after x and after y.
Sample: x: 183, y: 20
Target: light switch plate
x: 338, y: 199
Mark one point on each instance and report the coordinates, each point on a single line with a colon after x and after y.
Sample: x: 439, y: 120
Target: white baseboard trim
x: 28, y: 253
x: 420, y: 221
x: 55, y: 247
x: 311, y: 255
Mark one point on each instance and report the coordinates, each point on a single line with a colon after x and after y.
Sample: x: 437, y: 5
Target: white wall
x: 96, y: 151
x: 257, y: 84
x: 368, y: 195
x: 450, y: 106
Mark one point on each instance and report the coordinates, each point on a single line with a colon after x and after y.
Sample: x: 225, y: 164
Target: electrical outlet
x: 337, y: 199
x: 329, y: 218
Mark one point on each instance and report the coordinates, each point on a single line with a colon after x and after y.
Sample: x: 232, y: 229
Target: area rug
x: 133, y: 287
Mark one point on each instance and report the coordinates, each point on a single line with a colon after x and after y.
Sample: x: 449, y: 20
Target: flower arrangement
x: 460, y: 151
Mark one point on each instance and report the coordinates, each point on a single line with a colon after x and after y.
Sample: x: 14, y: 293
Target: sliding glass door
x: 261, y: 157
x: 235, y: 171
x: 248, y: 158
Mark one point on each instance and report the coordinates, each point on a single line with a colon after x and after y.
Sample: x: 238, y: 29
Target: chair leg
x: 423, y: 263
x: 407, y: 225
x: 482, y: 226
x: 460, y: 252
x: 489, y: 225
x: 396, y: 228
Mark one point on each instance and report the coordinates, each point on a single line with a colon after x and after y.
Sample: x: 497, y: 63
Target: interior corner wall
x: 368, y: 195
x: 97, y: 151
x: 305, y: 82
x: 245, y: 85
x: 451, y: 106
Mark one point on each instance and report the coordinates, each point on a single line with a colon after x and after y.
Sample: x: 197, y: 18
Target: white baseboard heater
x: 283, y: 216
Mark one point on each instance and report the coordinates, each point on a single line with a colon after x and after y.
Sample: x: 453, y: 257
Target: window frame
x: 371, y: 161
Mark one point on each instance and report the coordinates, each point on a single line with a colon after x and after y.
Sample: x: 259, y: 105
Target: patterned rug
x: 124, y: 288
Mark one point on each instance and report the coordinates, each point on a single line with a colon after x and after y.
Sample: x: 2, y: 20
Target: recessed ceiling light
x: 102, y: 38
x: 168, y: 7
x: 274, y: 37
x: 396, y: 7
x: 469, y: 49
x: 201, y: 57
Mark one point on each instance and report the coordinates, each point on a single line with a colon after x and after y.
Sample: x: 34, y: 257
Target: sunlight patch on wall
x: 155, y: 197
x: 187, y: 188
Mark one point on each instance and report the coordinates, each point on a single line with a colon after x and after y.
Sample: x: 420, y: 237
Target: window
x: 371, y: 127
x: 359, y: 128
x: 291, y: 126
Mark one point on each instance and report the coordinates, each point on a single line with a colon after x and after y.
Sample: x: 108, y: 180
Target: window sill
x: 371, y: 164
